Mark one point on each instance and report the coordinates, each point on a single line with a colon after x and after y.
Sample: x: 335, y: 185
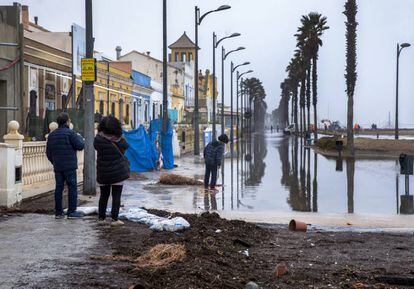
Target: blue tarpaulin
x: 166, y: 141
x: 142, y: 153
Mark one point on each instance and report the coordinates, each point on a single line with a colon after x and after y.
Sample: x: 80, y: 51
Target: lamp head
x: 404, y: 45
x: 223, y: 7
x: 240, y: 48
x: 246, y: 63
x: 234, y: 35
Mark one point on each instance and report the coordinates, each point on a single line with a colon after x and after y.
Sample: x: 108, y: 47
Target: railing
x: 36, y: 166
x: 37, y: 172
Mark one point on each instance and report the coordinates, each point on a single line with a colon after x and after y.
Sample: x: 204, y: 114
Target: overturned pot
x: 297, y: 226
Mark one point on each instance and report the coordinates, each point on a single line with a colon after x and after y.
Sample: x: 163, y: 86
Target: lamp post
x: 89, y: 172
x: 164, y: 70
x: 399, y: 49
x: 241, y: 102
x: 232, y: 69
x: 215, y: 45
x: 223, y: 58
x: 198, y: 20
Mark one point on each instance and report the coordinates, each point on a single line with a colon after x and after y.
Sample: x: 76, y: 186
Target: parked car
x: 336, y: 125
x: 289, y: 129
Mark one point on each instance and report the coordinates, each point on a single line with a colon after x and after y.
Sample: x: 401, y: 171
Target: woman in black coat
x: 112, y: 167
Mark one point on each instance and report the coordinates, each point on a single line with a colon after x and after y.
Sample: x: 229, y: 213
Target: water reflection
x: 210, y: 201
x: 274, y: 173
x: 350, y: 183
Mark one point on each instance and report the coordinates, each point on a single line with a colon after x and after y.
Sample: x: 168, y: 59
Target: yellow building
x: 113, y: 90
x: 206, y: 96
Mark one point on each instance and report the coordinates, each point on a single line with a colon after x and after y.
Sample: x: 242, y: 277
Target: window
x: 121, y: 110
x: 176, y: 56
x: 113, y: 109
x: 146, y: 111
x: 190, y: 56
x: 184, y: 57
x: 64, y: 100
x: 153, y: 111
x: 33, y: 102
x: 101, y: 107
x: 127, y: 114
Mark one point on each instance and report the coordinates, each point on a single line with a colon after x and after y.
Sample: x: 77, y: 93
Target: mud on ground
x: 216, y: 257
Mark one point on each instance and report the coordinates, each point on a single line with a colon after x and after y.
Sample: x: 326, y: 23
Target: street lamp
x: 223, y: 57
x: 399, y: 49
x: 241, y: 102
x: 215, y: 45
x: 232, y: 69
x: 198, y: 20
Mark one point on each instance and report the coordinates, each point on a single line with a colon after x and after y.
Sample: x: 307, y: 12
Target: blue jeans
x: 210, y: 170
x: 70, y: 178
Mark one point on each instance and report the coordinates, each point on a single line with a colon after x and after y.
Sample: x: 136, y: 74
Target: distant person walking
x: 61, y: 147
x: 271, y: 129
x: 213, y: 155
x: 112, y: 166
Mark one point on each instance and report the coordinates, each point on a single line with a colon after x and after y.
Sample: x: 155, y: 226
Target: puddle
x: 277, y: 174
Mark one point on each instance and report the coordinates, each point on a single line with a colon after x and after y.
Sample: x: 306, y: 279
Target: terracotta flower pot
x: 298, y: 226
x: 281, y: 269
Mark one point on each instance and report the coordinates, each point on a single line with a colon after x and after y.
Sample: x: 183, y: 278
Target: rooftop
x: 183, y: 42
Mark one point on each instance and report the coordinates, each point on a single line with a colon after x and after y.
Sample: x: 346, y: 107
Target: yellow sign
x: 88, y: 69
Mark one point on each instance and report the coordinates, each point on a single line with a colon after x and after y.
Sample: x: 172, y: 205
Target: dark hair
x: 110, y: 125
x: 62, y: 118
x: 223, y: 138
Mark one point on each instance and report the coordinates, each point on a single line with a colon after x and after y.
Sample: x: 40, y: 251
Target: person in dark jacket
x: 213, y: 155
x: 112, y: 166
x: 61, y: 147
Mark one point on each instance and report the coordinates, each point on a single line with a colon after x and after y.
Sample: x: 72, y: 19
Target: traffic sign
x: 88, y: 69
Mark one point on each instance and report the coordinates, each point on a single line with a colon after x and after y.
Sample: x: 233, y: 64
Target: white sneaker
x: 117, y: 223
x: 101, y: 222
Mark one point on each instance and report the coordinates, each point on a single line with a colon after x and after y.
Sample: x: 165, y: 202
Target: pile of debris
x: 177, y: 180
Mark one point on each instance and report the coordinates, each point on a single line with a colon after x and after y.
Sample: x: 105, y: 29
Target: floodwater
x: 277, y: 174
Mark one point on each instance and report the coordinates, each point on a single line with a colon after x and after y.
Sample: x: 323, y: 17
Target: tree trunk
x: 296, y: 109
x: 308, y: 92
x: 303, y: 102
x: 315, y: 95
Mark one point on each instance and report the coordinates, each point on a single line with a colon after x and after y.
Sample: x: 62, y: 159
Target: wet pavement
x: 35, y: 248
x: 273, y: 178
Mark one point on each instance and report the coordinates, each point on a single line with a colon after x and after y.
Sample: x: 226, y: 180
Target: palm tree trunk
x: 296, y: 109
x: 303, y: 102
x: 308, y: 100
x: 315, y: 95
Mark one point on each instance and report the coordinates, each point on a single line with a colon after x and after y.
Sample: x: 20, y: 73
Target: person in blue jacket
x: 213, y: 155
x: 61, y: 148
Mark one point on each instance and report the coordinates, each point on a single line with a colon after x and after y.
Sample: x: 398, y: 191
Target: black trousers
x: 210, y: 170
x: 116, y: 201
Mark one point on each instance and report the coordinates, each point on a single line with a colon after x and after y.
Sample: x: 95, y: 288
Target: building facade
x: 141, y: 92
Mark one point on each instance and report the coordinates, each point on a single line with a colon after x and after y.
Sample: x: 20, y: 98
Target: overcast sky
x: 267, y: 28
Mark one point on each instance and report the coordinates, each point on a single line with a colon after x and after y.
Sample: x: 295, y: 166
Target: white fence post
x: 11, y: 156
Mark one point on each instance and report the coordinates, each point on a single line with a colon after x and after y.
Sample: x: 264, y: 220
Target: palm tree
x: 309, y: 37
x: 350, y: 12
x: 294, y: 75
x: 257, y: 95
